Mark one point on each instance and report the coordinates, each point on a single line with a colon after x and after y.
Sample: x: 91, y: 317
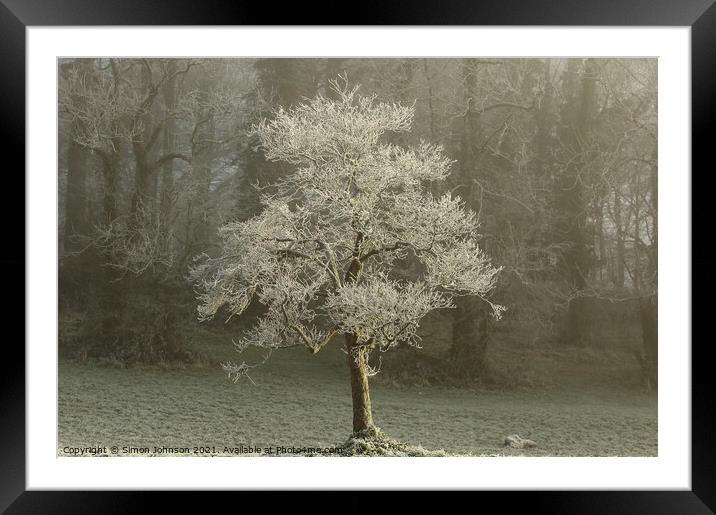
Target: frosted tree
x: 323, y: 254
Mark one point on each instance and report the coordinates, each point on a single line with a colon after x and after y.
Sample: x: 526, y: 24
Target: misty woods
x: 223, y: 168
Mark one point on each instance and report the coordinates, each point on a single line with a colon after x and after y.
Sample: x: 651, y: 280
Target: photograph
x: 357, y: 256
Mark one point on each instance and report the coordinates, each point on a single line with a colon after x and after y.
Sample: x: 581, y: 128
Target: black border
x: 16, y: 15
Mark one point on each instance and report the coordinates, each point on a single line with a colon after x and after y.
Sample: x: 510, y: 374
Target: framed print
x: 420, y: 252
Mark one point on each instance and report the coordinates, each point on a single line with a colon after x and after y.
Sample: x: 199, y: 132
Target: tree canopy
x: 321, y: 256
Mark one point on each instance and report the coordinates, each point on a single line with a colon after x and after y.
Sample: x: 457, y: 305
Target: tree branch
x: 168, y: 157
x: 397, y: 245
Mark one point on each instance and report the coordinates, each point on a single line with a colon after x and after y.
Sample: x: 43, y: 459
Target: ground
x: 300, y: 401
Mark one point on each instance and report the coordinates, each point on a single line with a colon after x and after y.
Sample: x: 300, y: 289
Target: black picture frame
x: 16, y: 15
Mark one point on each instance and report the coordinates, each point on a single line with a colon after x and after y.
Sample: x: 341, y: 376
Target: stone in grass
x: 517, y: 442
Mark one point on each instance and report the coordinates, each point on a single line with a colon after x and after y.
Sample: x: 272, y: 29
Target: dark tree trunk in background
x: 283, y: 82
x: 402, y: 86
x: 286, y: 81
x: 436, y: 186
x: 654, y: 197
x: 76, y: 220
x: 168, y: 142
x: 360, y: 393
x: 470, y: 336
x: 102, y: 338
x: 544, y: 120
x: 544, y: 141
x: 144, y: 180
x: 619, y: 265
x: 110, y: 176
x: 200, y: 184
x: 197, y: 232
x: 637, y: 235
x: 431, y: 107
x: 111, y: 161
x: 571, y: 204
x: 470, y: 324
x: 600, y: 239
x: 167, y: 182
x: 78, y: 159
x: 648, y: 315
x: 649, y: 306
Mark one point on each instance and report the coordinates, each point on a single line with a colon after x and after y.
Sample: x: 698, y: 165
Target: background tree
x: 128, y: 121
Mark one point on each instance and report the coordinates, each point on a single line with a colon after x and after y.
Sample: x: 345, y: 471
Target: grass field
x: 304, y: 401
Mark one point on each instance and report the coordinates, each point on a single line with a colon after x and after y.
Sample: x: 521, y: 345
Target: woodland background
x: 558, y: 157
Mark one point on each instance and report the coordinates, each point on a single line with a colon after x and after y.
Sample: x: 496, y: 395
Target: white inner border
x: 671, y: 469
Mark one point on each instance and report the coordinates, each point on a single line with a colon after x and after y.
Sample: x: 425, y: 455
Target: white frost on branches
x: 320, y: 256
x: 383, y: 313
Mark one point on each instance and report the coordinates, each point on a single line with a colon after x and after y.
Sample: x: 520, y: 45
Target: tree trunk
x: 358, y: 359
x: 431, y: 107
x: 636, y: 208
x: 470, y: 332
x: 142, y: 180
x: 571, y: 202
x: 545, y: 119
x: 648, y: 316
x: 601, y: 243
x: 470, y: 322
x: 654, y: 197
x: 619, y: 276
x: 202, y: 157
x: 649, y: 306
x: 142, y: 143
x: 358, y: 365
x: 111, y: 160
x: 76, y: 220
x: 168, y: 143
x: 110, y: 174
